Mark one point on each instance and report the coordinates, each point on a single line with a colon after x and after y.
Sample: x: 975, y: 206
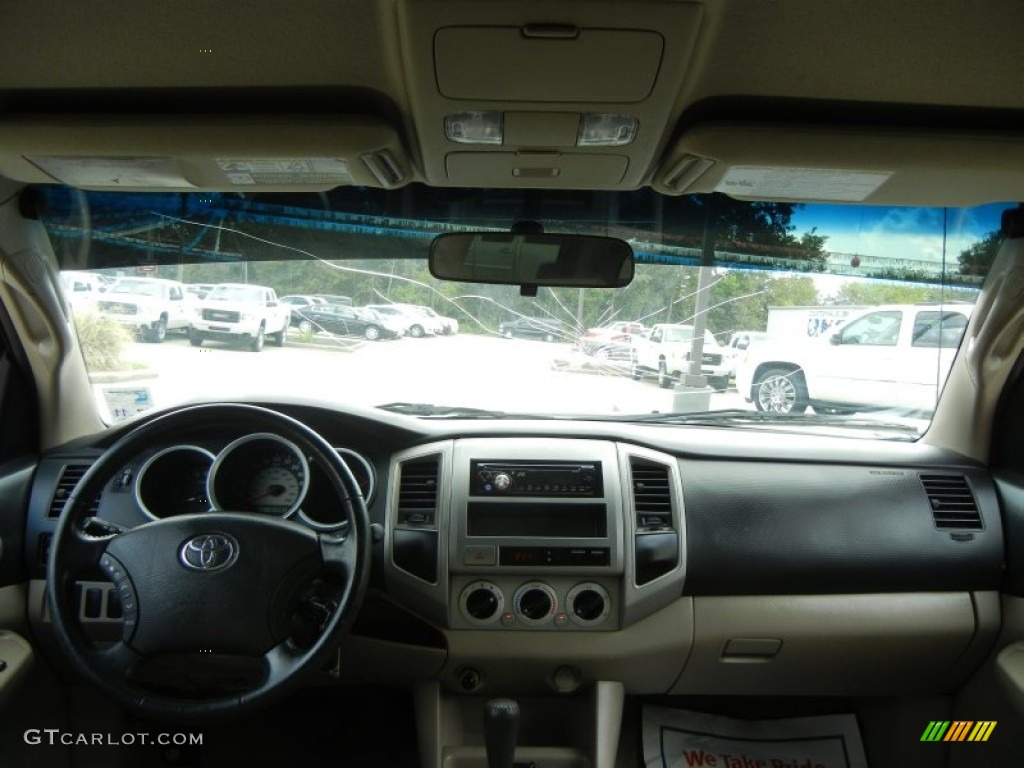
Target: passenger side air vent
x: 70, y: 476
x: 656, y: 543
x: 953, y: 504
x: 417, y: 492
x: 652, y: 497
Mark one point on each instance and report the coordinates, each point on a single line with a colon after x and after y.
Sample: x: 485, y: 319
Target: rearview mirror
x: 571, y: 261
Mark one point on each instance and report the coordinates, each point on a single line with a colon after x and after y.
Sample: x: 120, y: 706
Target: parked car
x: 416, y: 323
x: 345, y: 321
x: 665, y: 352
x: 738, y: 344
x: 241, y: 313
x: 545, y: 328
x: 611, y: 341
x: 82, y: 289
x: 891, y: 356
x: 449, y: 325
x: 148, y: 306
x: 333, y: 298
x: 298, y: 303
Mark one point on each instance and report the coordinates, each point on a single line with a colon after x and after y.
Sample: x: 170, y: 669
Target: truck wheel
x: 416, y: 331
x: 281, y: 337
x: 305, y: 326
x: 194, y: 338
x: 371, y: 332
x: 257, y: 341
x: 665, y: 381
x: 719, y: 383
x: 780, y: 390
x: 157, y: 333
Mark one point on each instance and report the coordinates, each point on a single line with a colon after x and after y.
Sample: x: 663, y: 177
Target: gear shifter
x: 501, y: 727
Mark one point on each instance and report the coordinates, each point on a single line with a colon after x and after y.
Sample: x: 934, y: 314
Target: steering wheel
x: 219, y: 581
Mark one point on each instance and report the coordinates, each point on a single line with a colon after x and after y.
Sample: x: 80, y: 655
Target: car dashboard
x: 539, y: 556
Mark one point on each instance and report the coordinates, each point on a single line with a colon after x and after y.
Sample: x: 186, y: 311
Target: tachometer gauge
x: 173, y: 482
x: 260, y: 473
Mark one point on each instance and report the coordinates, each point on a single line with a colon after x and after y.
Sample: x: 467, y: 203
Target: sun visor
x: 804, y: 163
x: 230, y: 154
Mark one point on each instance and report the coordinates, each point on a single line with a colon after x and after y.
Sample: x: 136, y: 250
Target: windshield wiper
x: 737, y: 416
x: 443, y: 411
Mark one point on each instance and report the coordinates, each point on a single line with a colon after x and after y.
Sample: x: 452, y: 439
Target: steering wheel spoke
x: 281, y: 661
x: 339, y: 555
x: 85, y: 551
x: 119, y: 659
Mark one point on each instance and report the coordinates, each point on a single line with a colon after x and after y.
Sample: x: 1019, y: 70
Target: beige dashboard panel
x: 876, y: 644
x: 547, y: 62
x: 191, y: 154
x: 823, y: 163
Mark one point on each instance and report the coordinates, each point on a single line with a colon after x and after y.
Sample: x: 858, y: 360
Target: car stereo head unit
x: 536, y: 478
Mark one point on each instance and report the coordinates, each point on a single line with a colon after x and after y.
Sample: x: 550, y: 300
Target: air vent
x: 953, y: 504
x: 70, y: 476
x: 417, y: 492
x: 652, y: 497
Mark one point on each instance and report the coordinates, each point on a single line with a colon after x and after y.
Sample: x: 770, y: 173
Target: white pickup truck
x: 894, y: 356
x: 148, y: 306
x: 237, y: 312
x: 665, y: 351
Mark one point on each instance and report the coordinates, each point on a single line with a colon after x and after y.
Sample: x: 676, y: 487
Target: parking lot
x: 514, y: 375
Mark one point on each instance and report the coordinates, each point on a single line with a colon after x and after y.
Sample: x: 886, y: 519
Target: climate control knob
x: 588, y: 603
x: 482, y: 602
x: 535, y: 603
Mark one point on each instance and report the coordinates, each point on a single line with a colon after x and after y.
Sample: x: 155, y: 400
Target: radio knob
x: 481, y: 604
x: 502, y: 482
x: 588, y: 605
x: 535, y: 604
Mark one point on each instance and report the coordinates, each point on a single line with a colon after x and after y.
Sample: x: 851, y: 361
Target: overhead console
x: 536, y: 535
x: 505, y: 95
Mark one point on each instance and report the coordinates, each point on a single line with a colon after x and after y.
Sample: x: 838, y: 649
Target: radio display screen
x: 551, y: 520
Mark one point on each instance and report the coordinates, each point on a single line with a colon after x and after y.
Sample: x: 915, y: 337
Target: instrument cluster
x: 260, y: 473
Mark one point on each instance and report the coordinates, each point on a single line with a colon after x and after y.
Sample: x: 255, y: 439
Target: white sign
x: 678, y: 738
x: 126, y: 403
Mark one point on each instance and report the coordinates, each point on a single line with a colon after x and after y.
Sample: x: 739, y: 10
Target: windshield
x: 826, y: 312
x: 138, y: 287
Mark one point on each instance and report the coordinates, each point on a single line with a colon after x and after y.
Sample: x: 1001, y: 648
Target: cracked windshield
x: 767, y: 315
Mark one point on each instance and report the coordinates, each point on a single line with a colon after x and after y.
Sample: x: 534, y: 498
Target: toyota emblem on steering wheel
x: 209, y: 552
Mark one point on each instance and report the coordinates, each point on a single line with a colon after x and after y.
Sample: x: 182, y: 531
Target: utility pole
x: 692, y: 394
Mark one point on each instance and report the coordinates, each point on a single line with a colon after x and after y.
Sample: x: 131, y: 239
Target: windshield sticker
x: 124, y: 404
x: 294, y: 170
x: 679, y: 737
x: 802, y: 183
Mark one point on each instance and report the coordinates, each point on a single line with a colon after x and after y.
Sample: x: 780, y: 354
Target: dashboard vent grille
x: 417, y: 491
x: 953, y: 504
x: 652, y: 496
x: 70, y: 476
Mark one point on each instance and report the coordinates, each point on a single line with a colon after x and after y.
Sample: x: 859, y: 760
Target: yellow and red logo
x: 958, y: 730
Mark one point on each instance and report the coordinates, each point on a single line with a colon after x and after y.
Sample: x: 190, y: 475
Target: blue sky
x: 915, y: 233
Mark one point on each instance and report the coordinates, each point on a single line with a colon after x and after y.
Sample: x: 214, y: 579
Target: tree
x: 978, y: 258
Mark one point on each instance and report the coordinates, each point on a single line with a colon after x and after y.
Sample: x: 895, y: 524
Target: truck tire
x: 665, y: 380
x: 371, y: 332
x: 416, y: 331
x: 194, y: 338
x: 257, y: 341
x: 281, y: 337
x: 780, y: 390
x: 157, y: 333
x: 305, y: 326
x: 719, y: 383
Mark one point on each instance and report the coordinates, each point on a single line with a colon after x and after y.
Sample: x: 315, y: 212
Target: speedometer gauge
x: 260, y: 473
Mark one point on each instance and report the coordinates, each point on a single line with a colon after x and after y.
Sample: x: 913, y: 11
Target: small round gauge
x: 321, y: 510
x: 260, y: 473
x: 173, y: 482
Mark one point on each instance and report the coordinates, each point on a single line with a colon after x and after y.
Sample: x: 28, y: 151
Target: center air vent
x: 652, y: 497
x: 417, y: 492
x: 953, y: 504
x: 656, y: 543
x: 70, y: 476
